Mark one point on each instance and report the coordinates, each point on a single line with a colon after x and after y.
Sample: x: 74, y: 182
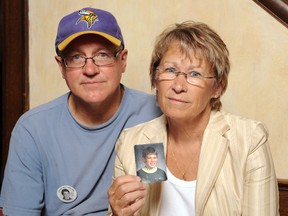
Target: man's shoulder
x: 139, y: 107
x: 139, y: 94
x: 45, y: 109
x: 140, y: 102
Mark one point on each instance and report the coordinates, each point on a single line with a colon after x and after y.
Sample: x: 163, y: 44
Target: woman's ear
x: 217, y: 91
x: 217, y: 94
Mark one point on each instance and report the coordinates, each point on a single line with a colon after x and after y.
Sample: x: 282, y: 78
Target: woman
x: 217, y: 163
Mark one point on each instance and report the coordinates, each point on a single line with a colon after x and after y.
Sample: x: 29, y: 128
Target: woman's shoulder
x: 241, y: 121
x: 154, y: 124
x: 247, y: 128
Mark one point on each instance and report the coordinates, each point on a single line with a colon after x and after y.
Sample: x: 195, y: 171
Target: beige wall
x: 258, y: 46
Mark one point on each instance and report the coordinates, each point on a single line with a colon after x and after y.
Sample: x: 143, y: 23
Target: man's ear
x: 124, y: 55
x: 60, y: 65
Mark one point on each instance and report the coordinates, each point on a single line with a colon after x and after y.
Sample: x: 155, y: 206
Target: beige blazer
x: 236, y: 174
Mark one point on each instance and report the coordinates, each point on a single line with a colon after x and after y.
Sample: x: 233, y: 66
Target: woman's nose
x: 180, y: 83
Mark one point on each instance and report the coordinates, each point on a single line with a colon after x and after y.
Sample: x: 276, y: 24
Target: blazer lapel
x: 213, y: 152
x: 156, y: 133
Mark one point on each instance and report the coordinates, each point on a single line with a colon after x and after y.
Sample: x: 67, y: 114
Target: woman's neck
x: 185, y: 131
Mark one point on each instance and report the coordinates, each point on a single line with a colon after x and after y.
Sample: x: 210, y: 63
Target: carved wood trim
x: 277, y: 8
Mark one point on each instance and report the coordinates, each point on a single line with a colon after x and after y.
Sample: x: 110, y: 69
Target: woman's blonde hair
x: 199, y: 40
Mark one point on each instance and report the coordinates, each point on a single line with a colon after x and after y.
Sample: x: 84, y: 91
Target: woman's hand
x: 127, y: 195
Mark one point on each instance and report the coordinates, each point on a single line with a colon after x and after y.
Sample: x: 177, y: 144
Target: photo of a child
x: 150, y: 162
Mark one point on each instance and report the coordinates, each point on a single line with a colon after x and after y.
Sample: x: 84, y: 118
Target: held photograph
x: 150, y: 162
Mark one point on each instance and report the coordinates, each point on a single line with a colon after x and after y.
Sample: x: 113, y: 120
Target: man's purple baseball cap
x: 88, y: 21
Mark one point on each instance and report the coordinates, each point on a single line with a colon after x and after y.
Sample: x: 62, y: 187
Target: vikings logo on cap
x: 88, y: 21
x: 87, y: 16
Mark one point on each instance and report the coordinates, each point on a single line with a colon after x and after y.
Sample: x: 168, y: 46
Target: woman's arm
x: 260, y: 186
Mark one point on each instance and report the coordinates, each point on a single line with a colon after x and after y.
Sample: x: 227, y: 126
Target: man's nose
x: 90, y: 67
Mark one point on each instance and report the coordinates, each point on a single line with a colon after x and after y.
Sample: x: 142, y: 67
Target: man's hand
x: 127, y: 195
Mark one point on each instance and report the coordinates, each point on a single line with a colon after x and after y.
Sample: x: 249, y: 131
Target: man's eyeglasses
x: 193, y: 77
x: 100, y: 59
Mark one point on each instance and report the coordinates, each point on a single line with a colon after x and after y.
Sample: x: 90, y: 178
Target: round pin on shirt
x: 66, y: 193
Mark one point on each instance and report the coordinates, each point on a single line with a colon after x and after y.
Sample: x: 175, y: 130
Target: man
x: 68, y: 143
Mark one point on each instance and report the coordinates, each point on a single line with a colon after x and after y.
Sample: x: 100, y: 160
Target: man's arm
x: 22, y: 189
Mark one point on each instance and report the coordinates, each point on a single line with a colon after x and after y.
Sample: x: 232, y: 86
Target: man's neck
x: 95, y: 114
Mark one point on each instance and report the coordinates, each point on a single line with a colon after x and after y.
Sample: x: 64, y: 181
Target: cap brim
x: 64, y: 43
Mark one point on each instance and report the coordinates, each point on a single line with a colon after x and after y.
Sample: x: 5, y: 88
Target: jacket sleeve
x: 260, y: 180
